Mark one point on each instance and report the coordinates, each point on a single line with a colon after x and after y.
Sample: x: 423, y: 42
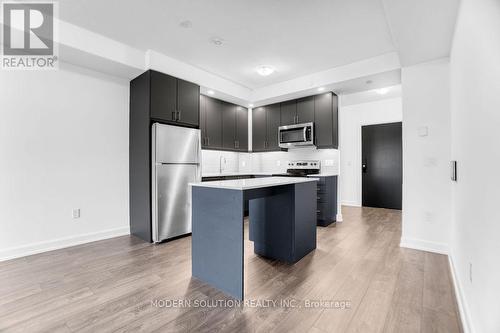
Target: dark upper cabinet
x: 224, y: 126
x: 323, y: 120
x: 163, y: 95
x: 228, y: 125
x: 259, y: 129
x: 211, y: 123
x: 174, y: 100
x: 335, y: 121
x: 188, y: 102
x: 203, y: 120
x: 305, y: 110
x: 288, y: 113
x: 265, y: 123
x: 273, y: 119
x: 241, y: 128
x: 321, y: 109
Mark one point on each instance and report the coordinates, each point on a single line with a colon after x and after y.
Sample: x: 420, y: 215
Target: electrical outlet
x: 76, y: 213
x: 243, y: 163
x: 328, y: 162
x: 278, y: 163
x: 428, y: 216
x: 470, y: 272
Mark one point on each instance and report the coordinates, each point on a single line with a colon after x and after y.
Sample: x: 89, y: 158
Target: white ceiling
x: 297, y: 37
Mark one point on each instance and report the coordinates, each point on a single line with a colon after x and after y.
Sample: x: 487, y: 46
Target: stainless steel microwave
x: 295, y: 136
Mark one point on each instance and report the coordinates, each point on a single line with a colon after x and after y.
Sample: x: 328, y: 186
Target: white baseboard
x: 351, y: 203
x: 26, y: 250
x: 339, y: 218
x: 418, y: 244
x: 461, y: 301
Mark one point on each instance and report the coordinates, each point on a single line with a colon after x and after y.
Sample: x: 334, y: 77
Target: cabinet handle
x: 174, y: 115
x: 208, y: 141
x: 179, y: 115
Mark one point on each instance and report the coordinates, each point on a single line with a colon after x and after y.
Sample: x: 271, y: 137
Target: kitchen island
x: 282, y: 226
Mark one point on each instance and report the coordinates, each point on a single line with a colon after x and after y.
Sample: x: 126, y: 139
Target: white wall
x: 426, y: 175
x: 475, y: 105
x: 63, y: 145
x: 351, y: 118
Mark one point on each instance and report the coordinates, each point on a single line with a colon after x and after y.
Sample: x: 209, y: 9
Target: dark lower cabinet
x: 326, y: 209
x: 224, y: 125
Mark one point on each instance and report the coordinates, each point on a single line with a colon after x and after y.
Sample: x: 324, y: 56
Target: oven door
x: 300, y: 135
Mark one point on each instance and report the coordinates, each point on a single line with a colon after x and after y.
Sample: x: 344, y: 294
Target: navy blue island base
x: 282, y: 226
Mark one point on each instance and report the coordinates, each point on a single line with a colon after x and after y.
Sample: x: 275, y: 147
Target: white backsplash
x: 275, y: 162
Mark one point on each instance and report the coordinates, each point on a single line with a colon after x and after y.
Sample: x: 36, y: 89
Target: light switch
x: 328, y: 162
x: 423, y: 131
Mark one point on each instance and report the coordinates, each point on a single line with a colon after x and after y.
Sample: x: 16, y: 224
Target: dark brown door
x: 382, y: 165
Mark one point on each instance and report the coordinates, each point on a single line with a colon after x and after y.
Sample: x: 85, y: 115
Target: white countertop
x: 236, y: 173
x: 323, y: 175
x: 253, y: 183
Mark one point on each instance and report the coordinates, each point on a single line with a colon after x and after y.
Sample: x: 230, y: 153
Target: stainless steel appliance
x: 176, y: 162
x: 295, y: 136
x: 301, y: 169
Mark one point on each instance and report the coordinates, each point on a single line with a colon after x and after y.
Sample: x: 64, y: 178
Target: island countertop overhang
x: 253, y: 183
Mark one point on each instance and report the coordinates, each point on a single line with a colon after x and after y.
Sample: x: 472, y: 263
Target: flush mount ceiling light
x: 382, y: 91
x: 321, y: 88
x: 265, y: 70
x: 186, y: 24
x: 217, y: 41
x: 250, y: 105
x: 210, y: 92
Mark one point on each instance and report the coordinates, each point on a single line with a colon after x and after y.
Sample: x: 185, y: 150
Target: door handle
x: 364, y: 167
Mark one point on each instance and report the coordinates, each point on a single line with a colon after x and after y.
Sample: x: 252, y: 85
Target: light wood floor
x: 109, y: 286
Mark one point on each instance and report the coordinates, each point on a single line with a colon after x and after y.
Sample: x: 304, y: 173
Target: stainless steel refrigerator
x: 176, y: 162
